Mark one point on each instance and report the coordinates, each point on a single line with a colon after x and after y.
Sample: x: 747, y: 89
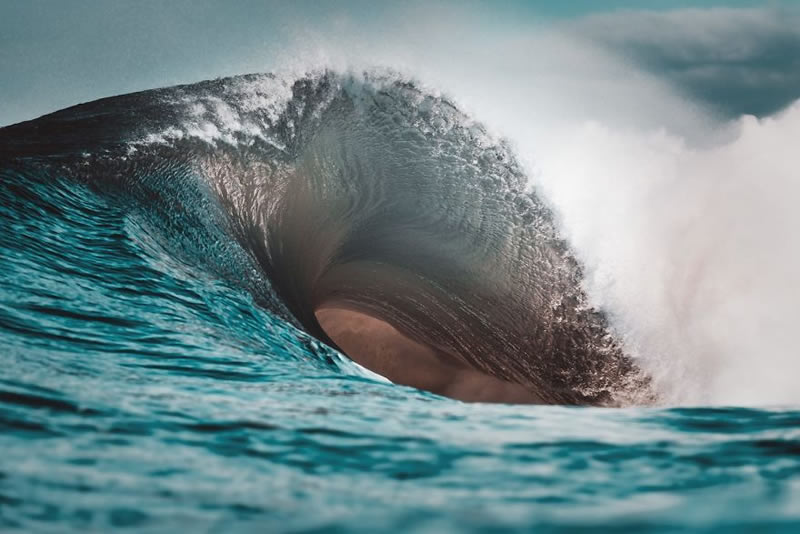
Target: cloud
x: 736, y: 60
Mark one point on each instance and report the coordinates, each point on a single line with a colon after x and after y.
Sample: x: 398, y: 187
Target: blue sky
x: 54, y: 54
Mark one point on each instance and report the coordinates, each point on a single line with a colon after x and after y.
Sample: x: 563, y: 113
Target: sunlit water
x: 141, y: 391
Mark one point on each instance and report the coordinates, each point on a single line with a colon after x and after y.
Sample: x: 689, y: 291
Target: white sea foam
x: 693, y: 250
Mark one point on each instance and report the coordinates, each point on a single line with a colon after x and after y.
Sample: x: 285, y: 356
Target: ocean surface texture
x: 161, y: 258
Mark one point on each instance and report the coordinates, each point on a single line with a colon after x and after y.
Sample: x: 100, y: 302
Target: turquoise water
x: 140, y: 392
x: 150, y: 381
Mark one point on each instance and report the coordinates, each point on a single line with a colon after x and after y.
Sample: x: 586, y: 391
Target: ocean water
x: 154, y: 379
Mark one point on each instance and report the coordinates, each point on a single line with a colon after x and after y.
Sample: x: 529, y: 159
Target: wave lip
x: 367, y: 201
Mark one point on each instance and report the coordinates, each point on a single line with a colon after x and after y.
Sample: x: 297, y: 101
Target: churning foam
x: 693, y: 251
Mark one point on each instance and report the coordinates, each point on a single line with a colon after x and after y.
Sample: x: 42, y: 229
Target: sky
x: 738, y: 56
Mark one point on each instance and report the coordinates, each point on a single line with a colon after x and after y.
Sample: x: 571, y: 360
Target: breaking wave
x: 376, y: 216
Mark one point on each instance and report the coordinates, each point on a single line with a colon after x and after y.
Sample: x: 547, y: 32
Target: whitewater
x: 379, y: 289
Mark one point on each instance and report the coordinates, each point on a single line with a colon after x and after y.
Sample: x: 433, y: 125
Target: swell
x: 361, y: 193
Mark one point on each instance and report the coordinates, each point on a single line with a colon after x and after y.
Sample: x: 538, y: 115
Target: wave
x: 371, y: 213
